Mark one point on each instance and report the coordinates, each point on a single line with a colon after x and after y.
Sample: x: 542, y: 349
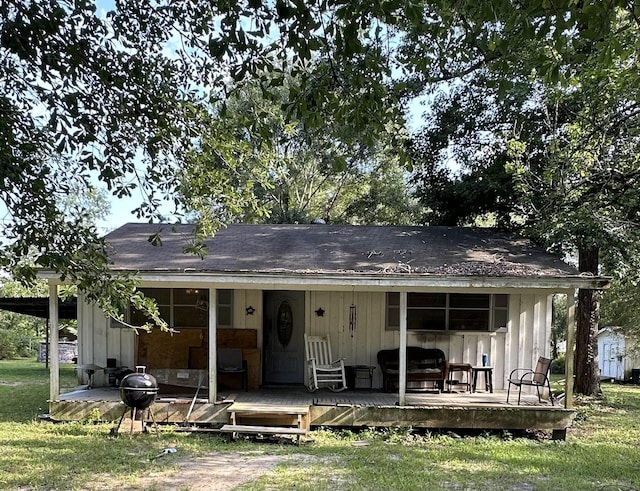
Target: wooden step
x: 249, y: 408
x: 267, y: 430
x: 265, y: 412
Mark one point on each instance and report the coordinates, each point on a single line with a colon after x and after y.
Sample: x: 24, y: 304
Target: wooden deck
x: 457, y: 410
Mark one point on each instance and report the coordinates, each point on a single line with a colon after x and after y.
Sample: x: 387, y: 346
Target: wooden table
x: 466, y: 369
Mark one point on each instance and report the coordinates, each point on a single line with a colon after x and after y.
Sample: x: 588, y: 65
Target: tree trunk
x: 587, y: 373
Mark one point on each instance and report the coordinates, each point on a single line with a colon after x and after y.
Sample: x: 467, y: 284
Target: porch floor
x: 299, y: 395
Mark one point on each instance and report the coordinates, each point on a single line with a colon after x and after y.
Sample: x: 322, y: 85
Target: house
x: 467, y: 291
x: 618, y: 355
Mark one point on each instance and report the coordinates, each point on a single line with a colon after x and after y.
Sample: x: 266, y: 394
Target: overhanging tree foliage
x: 119, y: 97
x: 571, y: 151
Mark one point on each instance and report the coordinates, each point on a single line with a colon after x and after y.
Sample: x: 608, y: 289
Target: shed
x: 618, y: 354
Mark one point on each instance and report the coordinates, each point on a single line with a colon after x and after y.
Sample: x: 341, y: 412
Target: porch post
x: 213, y: 361
x: 54, y: 367
x: 402, y: 376
x: 571, y: 339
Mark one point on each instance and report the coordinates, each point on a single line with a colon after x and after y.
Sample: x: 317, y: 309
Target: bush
x: 557, y: 365
x: 15, y: 344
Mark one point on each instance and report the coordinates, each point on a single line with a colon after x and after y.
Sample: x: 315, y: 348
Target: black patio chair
x: 533, y: 378
x: 230, y: 362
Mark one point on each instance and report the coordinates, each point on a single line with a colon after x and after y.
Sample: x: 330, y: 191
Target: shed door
x: 284, y: 340
x: 612, y: 360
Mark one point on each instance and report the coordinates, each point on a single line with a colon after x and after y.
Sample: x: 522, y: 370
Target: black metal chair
x: 230, y: 362
x: 539, y: 377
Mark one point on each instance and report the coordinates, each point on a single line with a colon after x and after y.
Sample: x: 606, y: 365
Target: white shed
x: 616, y: 355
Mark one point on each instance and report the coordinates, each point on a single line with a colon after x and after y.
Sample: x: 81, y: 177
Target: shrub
x: 15, y: 344
x: 557, y: 365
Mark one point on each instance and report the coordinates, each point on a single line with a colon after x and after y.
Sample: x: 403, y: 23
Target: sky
x: 120, y: 213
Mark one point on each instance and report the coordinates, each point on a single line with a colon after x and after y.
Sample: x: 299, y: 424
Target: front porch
x: 351, y: 408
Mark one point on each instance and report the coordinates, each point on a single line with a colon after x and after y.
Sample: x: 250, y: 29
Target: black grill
x: 138, y: 390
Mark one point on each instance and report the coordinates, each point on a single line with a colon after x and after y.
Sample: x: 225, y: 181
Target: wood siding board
x: 538, y: 344
x: 86, y: 353
x: 511, y: 339
x: 526, y: 332
x: 484, y: 346
x: 497, y: 359
x: 457, y: 349
x: 239, y: 312
x: 548, y: 321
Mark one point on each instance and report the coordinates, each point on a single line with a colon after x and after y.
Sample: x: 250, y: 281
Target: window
x: 185, y: 308
x: 225, y: 309
x: 449, y: 311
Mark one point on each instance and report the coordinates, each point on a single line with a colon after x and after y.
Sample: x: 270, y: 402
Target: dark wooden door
x: 284, y: 337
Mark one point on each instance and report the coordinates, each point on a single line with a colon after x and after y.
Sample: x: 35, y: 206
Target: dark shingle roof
x: 300, y: 249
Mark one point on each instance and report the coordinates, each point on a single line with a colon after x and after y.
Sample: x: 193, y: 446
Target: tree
x: 18, y: 333
x: 571, y: 153
x: 281, y: 172
x: 558, y: 323
x: 121, y: 97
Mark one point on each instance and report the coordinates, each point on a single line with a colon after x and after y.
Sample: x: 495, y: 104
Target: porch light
x: 250, y: 310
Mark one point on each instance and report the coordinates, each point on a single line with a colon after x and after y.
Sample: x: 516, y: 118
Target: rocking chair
x: 322, y: 369
x: 534, y: 378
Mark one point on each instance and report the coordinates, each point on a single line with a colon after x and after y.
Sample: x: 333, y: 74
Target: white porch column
x: 54, y: 366
x: 571, y: 339
x: 402, y: 376
x: 213, y: 356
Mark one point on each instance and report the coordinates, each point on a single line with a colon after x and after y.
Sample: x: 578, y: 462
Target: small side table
x: 466, y: 369
x: 488, y: 378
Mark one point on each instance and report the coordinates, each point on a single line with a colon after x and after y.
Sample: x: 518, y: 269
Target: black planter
x: 138, y: 390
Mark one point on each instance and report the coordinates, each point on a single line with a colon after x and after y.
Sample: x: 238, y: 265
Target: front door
x: 284, y: 337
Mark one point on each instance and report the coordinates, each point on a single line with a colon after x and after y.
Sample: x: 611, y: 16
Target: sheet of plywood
x: 160, y: 349
x: 237, y: 338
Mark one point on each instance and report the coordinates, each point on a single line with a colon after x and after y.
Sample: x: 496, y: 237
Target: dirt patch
x: 212, y: 472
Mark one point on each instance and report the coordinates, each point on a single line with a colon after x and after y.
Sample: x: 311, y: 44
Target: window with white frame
x: 449, y: 311
x: 185, y: 308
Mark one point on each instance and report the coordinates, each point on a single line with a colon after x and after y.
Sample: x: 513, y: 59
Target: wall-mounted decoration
x: 284, y: 323
x: 352, y: 319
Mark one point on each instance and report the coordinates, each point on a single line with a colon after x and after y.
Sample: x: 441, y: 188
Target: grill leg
x: 153, y: 418
x: 133, y: 418
x: 114, y: 431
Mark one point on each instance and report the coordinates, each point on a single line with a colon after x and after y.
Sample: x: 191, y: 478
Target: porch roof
x: 381, y: 255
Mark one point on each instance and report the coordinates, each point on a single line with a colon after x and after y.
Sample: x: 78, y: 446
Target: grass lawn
x: 602, y: 451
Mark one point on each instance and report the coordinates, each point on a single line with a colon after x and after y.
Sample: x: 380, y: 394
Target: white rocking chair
x: 322, y: 369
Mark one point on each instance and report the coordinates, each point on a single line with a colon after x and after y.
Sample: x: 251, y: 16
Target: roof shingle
x: 300, y: 249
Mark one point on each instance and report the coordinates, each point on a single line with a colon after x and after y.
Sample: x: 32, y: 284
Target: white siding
x: 97, y: 341
x: 525, y: 339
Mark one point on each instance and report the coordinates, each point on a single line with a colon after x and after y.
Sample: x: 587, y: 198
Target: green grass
x: 602, y: 449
